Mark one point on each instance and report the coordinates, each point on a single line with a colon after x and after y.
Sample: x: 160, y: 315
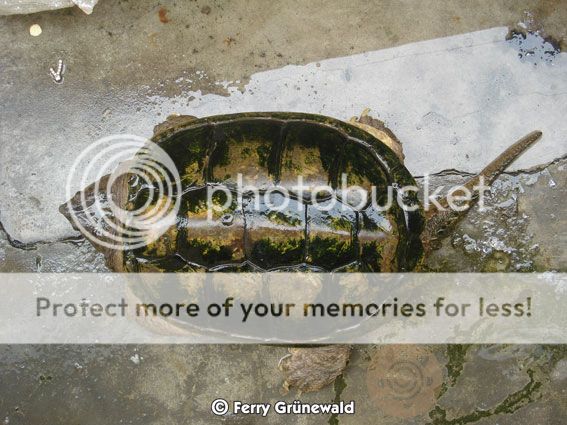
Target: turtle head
x: 84, y: 209
x: 442, y: 219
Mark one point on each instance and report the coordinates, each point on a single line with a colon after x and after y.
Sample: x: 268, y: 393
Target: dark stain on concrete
x: 162, y: 13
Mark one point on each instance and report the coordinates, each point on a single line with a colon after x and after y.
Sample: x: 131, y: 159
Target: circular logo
x: 107, y: 162
x: 404, y: 380
x: 219, y: 407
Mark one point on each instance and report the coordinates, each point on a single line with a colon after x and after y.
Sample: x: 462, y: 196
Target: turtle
x: 269, y: 149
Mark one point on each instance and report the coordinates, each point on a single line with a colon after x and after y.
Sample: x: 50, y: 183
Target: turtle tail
x: 441, y: 221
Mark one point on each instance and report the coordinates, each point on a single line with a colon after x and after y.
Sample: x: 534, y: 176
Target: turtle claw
x: 365, y: 113
x: 312, y: 368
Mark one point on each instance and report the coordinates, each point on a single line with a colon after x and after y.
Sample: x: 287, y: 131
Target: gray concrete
x: 176, y: 384
x: 122, y: 56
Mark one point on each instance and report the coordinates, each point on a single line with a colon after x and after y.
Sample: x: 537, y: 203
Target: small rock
x: 35, y: 30
x: 560, y: 371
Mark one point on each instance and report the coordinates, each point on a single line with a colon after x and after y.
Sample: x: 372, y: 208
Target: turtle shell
x: 270, y: 151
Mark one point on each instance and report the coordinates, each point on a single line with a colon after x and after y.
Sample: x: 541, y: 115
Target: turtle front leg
x: 312, y: 368
x: 379, y: 130
x: 172, y: 122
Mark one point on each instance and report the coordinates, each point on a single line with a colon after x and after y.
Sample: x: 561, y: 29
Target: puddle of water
x: 532, y: 47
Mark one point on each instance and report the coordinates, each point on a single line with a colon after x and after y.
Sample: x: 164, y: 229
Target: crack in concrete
x: 14, y: 243
x: 529, y: 171
x: 511, y: 404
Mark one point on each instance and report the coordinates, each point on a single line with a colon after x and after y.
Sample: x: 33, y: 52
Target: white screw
x: 58, y: 75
